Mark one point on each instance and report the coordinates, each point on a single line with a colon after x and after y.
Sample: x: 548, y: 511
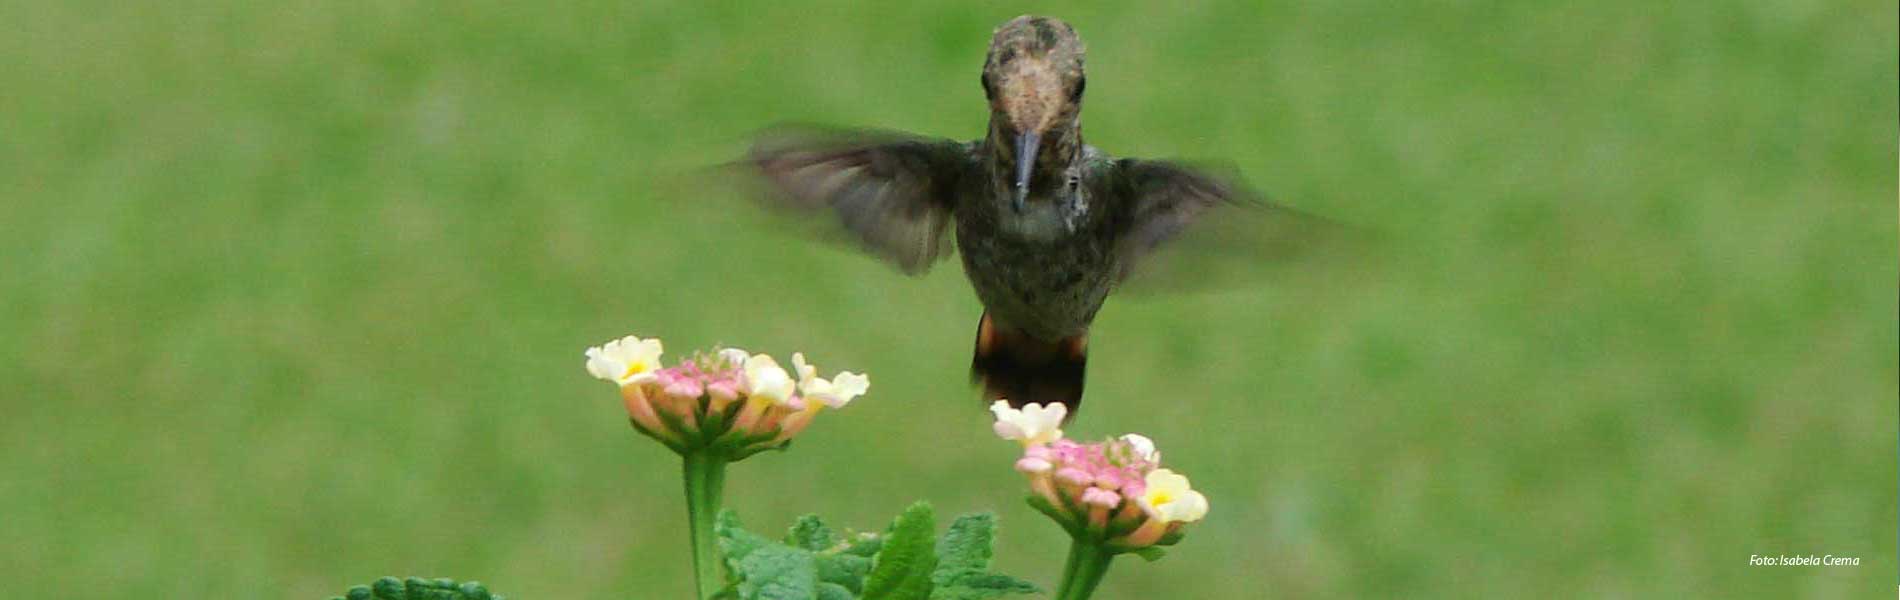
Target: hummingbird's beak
x: 1026, y: 146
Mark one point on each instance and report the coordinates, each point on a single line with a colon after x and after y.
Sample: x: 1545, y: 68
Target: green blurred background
x: 294, y: 294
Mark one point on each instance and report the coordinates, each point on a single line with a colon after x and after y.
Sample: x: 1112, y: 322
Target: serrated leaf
x: 417, y: 588
x: 778, y: 572
x: 989, y: 580
x: 979, y: 585
x: 902, y: 569
x: 734, y: 541
x: 843, y: 569
x: 832, y: 591
x: 474, y: 590
x: 1150, y: 553
x: 965, y: 546
x: 957, y: 592
x: 811, y: 534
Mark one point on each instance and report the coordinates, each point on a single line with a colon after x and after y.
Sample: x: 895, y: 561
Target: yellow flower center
x: 1159, y: 498
x: 635, y: 368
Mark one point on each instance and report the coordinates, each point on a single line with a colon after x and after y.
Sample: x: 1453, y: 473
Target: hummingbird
x: 1047, y: 226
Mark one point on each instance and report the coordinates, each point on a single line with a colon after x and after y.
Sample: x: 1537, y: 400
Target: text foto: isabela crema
x: 1811, y: 560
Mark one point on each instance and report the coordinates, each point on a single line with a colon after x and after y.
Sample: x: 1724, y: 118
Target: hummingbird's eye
x: 1076, y: 94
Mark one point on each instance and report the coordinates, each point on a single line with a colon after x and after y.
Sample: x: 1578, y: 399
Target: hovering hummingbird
x: 1047, y: 226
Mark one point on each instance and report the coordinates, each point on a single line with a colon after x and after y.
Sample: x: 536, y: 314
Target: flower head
x: 726, y: 400
x: 1033, y: 424
x: 1112, y: 492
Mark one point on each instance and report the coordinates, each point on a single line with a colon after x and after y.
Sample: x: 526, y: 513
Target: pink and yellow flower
x: 1113, y: 491
x: 726, y: 400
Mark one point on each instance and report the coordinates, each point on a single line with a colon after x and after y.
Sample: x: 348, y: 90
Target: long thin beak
x: 1026, y: 146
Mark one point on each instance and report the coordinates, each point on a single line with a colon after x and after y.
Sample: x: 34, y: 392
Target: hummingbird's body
x: 1047, y: 225
x: 1046, y: 270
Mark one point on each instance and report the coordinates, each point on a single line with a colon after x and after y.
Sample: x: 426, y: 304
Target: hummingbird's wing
x: 1183, y: 228
x: 893, y: 192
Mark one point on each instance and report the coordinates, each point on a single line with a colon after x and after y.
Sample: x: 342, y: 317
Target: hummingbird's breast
x: 1044, y: 271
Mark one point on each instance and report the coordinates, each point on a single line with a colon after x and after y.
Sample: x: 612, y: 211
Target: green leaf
x: 417, y: 588
x: 902, y: 569
x: 811, y: 534
x: 1061, y: 517
x: 978, y: 585
x: 832, y: 591
x: 1171, y: 538
x: 906, y: 562
x: 1150, y: 553
x: 964, y: 556
x: 474, y: 590
x: 778, y: 572
x: 866, y: 545
x: 965, y: 546
x: 442, y: 588
x: 388, y: 588
x: 734, y: 541
x: 988, y: 580
x: 843, y: 569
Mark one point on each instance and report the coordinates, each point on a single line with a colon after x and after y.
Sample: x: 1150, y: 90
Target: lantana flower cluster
x: 727, y: 400
x: 1113, y: 492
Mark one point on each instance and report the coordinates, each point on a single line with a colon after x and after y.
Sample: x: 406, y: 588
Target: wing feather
x: 1183, y: 227
x: 893, y: 192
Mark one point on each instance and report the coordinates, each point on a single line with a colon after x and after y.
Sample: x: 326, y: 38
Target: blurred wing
x: 1185, y: 229
x: 892, y: 192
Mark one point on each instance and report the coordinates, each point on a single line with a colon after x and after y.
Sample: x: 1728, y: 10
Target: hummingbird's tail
x: 1023, y: 370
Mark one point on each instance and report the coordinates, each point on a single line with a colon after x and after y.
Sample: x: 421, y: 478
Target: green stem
x: 1068, y: 573
x: 705, y: 474
x: 1088, y: 562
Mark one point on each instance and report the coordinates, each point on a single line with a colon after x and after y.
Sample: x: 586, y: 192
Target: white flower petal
x: 599, y: 366
x: 843, y: 388
x: 625, y: 360
x: 834, y: 393
x: 1143, y: 447
x: 1032, y: 424
x: 999, y: 408
x: 1194, y: 506
x: 806, y: 371
x: 765, y: 379
x: 1169, y: 498
x: 1009, y: 431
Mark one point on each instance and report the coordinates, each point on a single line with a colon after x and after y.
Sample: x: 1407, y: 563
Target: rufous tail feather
x: 1023, y: 370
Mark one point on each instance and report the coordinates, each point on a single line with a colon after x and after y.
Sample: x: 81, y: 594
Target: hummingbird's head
x: 1033, y: 78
